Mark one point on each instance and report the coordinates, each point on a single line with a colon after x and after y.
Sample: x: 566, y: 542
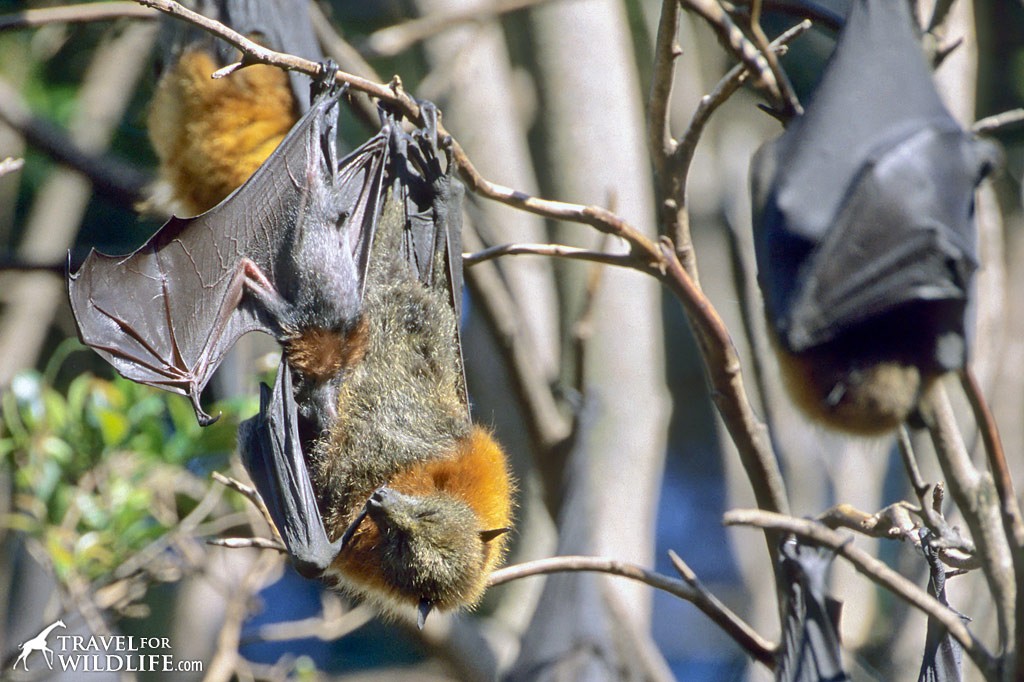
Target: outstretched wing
x: 167, y: 314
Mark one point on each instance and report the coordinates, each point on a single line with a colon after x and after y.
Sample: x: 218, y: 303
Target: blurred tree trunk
x: 34, y: 298
x: 594, y: 152
x: 477, y: 91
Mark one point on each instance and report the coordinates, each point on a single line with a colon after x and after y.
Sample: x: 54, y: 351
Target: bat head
x: 429, y: 546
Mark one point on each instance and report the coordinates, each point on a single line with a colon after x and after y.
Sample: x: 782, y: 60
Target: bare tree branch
x: 552, y: 250
x: 791, y: 105
x: 996, y: 457
x: 747, y: 53
x: 722, y: 363
x: 393, y: 40
x: 120, y: 182
x: 75, y: 14
x: 689, y: 589
x: 877, y: 572
x: 975, y: 495
x: 677, y: 166
x: 997, y: 122
x: 10, y: 165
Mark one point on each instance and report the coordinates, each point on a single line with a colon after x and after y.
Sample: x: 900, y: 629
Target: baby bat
x: 863, y: 214
x: 211, y: 134
x: 364, y: 451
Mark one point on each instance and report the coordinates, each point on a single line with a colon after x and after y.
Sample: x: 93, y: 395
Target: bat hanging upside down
x: 211, y: 134
x: 364, y: 451
x: 864, y: 229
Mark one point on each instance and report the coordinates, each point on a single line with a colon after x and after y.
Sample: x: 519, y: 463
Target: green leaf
x: 114, y: 426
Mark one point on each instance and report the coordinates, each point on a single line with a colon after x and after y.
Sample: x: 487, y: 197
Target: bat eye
x: 426, y: 513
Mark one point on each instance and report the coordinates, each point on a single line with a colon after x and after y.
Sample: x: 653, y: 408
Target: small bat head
x: 430, y: 545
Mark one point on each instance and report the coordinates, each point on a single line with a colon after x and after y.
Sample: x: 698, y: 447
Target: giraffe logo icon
x: 38, y: 643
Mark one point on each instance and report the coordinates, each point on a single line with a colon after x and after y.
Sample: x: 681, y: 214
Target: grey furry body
x: 403, y: 403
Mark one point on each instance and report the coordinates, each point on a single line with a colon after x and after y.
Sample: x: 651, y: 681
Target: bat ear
x: 990, y: 158
x: 488, y: 535
x: 423, y: 611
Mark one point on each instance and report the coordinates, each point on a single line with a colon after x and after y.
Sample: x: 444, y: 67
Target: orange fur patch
x: 475, y: 473
x: 211, y: 135
x: 320, y: 354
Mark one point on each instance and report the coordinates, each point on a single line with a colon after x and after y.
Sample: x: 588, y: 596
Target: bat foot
x: 428, y: 110
x: 325, y: 79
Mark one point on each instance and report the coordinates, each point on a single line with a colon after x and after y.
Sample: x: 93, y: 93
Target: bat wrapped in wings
x: 364, y: 451
x: 864, y: 229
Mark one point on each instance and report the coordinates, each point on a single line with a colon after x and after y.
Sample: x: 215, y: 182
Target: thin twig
x: 676, y: 207
x: 253, y: 495
x: 393, y: 40
x: 666, y: 51
x: 877, y: 572
x: 997, y: 122
x: 725, y: 88
x: 791, y: 105
x: 674, y: 218
x: 248, y: 543
x: 599, y: 218
x: 996, y: 457
x: 254, y: 53
x: 977, y: 499
x: 910, y: 464
x: 895, y: 523
x: 748, y: 639
x: 549, y: 428
x: 891, y: 523
x: 944, y: 538
x: 10, y: 165
x: 722, y: 363
x: 117, y: 180
x: 802, y: 9
x: 746, y: 52
x: 75, y: 14
x: 554, y: 250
